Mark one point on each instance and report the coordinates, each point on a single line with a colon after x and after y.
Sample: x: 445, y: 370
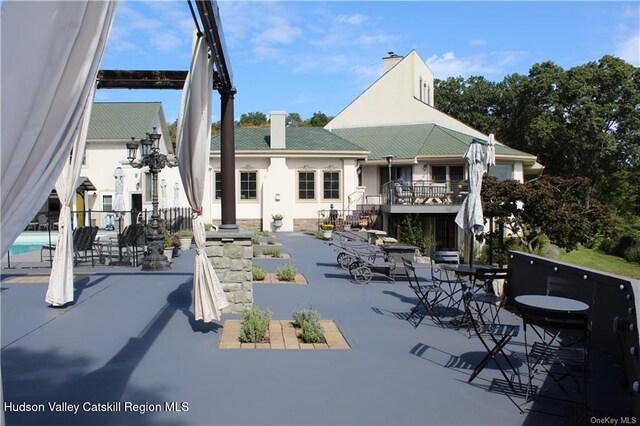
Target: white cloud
x: 448, y: 65
x: 282, y: 34
x: 355, y: 19
x: 166, y: 41
x: 629, y: 49
x: 376, y: 38
x: 478, y: 42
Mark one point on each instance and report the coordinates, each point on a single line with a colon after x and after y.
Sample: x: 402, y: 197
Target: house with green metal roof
x: 290, y: 171
x: 415, y: 163
x: 387, y: 154
x: 112, y: 125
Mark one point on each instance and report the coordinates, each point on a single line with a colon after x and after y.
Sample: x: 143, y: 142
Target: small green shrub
x: 632, y: 254
x: 184, y: 233
x: 256, y: 238
x: 258, y: 273
x: 271, y: 241
x: 309, y: 321
x: 271, y: 251
x: 254, y: 325
x: 286, y: 273
x: 319, y: 235
x: 312, y: 332
x: 265, y: 234
x: 305, y: 315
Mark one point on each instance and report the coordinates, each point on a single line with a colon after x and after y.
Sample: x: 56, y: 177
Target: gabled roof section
x: 297, y: 139
x: 122, y: 120
x: 401, y: 141
x: 416, y: 140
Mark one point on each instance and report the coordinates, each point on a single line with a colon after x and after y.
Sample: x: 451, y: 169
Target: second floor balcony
x: 423, y: 196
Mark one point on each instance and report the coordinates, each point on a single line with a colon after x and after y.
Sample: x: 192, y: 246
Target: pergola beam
x: 138, y: 79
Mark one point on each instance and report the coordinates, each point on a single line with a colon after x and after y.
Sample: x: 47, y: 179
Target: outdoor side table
x: 397, y: 252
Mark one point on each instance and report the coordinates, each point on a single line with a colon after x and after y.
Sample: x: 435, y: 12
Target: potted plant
x: 277, y: 219
x: 327, y: 230
x: 168, y: 246
x: 185, y: 236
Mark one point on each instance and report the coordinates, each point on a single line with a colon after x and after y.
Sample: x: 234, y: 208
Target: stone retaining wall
x: 231, y: 255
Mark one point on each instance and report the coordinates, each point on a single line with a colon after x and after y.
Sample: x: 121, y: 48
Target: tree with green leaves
x: 318, y: 119
x: 293, y: 120
x: 253, y: 119
x: 553, y: 206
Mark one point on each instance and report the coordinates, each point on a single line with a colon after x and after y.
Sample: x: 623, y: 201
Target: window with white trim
x: 217, y: 185
x: 248, y: 185
x: 331, y: 185
x: 306, y: 185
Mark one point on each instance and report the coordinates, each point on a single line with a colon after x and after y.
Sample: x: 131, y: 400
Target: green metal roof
x: 412, y: 140
x: 122, y: 120
x: 297, y: 139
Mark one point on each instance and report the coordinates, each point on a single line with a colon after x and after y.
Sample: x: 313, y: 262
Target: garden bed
x: 272, y: 278
x: 282, y: 335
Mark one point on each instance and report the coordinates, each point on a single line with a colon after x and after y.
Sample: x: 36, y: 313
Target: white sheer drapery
x: 51, y: 52
x: 60, y: 291
x: 194, y: 138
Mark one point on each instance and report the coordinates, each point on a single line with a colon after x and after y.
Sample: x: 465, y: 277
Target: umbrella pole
x: 471, y: 250
x: 120, y: 238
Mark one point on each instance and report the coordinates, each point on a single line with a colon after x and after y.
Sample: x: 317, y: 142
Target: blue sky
x: 308, y: 56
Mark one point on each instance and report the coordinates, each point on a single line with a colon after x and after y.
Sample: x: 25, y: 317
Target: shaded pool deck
x: 130, y: 337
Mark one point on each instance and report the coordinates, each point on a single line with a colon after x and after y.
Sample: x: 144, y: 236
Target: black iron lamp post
x: 150, y: 156
x: 389, y: 159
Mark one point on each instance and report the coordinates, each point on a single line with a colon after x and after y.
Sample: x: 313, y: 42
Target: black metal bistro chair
x: 494, y: 337
x: 422, y: 291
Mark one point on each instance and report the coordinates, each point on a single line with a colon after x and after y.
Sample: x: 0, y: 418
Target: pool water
x: 30, y: 243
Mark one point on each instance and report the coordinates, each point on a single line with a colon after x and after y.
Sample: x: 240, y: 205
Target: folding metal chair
x: 451, y: 285
x: 422, y: 292
x: 494, y: 338
x: 562, y: 363
x: 486, y: 302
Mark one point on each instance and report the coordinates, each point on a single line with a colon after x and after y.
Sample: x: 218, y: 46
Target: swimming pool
x: 26, y: 243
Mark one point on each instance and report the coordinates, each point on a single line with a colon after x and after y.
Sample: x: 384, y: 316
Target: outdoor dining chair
x: 494, y: 337
x: 422, y: 292
x: 564, y: 366
x: 450, y: 284
x: 486, y: 302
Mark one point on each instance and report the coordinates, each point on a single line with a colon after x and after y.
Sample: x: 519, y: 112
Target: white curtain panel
x: 60, y: 291
x: 194, y: 138
x: 51, y: 52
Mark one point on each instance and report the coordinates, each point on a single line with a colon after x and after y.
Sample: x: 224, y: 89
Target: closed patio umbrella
x: 164, y: 203
x: 118, y: 202
x: 470, y: 217
x: 176, y: 195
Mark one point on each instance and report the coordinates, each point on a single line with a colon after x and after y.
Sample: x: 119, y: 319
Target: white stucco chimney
x: 390, y: 61
x: 278, y: 132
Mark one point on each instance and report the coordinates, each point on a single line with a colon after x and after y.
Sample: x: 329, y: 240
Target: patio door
x: 446, y: 230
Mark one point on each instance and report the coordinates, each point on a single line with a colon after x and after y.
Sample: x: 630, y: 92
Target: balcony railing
x: 424, y: 192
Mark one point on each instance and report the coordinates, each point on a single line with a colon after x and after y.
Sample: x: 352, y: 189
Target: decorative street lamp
x: 150, y: 156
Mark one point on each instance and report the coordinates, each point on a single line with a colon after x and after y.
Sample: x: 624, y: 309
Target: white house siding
x: 278, y: 188
x: 394, y: 99
x: 102, y: 158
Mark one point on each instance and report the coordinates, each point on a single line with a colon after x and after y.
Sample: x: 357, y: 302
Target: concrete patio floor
x: 130, y: 337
